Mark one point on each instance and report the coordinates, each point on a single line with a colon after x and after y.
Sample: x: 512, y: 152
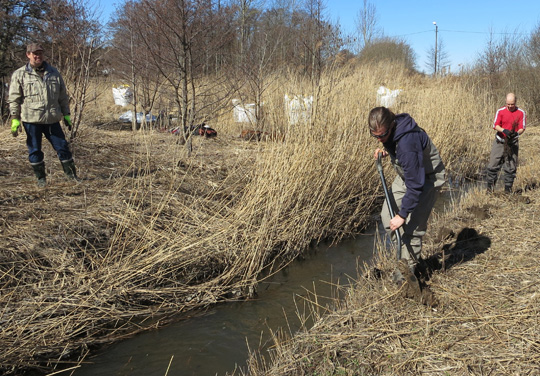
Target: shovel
x: 389, y: 203
x: 414, y: 288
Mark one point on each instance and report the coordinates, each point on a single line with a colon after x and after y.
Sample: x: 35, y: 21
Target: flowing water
x: 216, y: 341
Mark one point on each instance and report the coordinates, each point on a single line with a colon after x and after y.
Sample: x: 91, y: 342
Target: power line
x: 461, y: 31
x: 418, y: 32
x: 482, y: 32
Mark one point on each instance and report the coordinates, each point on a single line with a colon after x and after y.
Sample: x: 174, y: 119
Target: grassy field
x: 151, y: 233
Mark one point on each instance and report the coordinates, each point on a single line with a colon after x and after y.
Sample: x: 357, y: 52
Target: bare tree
x: 314, y: 36
x: 127, y: 28
x: 533, y: 48
x: 503, y: 54
x: 254, y: 72
x: 441, y: 59
x: 531, y: 85
x: 74, y: 34
x: 178, y: 37
x: 491, y: 59
x: 20, y: 20
x: 366, y: 25
x: 307, y: 40
x: 247, y: 12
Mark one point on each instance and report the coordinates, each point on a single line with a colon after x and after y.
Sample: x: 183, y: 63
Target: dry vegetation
x: 483, y: 254
x: 150, y: 233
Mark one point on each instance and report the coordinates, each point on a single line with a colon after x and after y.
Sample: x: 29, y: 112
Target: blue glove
x: 506, y: 132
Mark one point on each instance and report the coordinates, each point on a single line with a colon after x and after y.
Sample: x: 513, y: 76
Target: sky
x: 463, y: 26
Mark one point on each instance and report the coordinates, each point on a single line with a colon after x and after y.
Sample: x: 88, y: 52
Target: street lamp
x: 435, y: 65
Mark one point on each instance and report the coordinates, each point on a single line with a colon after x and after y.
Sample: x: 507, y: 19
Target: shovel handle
x: 389, y: 203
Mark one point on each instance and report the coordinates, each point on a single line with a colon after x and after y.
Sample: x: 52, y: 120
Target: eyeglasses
x: 380, y: 136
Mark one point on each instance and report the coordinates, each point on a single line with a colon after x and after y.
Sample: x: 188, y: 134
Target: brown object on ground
x: 413, y: 287
x: 255, y: 135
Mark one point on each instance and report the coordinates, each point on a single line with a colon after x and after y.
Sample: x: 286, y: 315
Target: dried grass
x: 150, y: 234
x: 486, y: 320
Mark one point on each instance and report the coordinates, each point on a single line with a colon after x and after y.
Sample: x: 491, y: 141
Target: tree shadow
x: 468, y: 244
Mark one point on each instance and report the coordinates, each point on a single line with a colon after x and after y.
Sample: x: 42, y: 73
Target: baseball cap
x: 33, y: 47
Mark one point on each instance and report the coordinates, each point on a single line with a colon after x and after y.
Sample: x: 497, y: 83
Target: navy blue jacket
x: 406, y: 147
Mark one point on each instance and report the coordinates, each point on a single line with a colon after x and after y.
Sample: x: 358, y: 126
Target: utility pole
x: 435, y: 65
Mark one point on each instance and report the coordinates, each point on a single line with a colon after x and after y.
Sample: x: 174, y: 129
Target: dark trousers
x: 53, y: 133
x: 505, y: 156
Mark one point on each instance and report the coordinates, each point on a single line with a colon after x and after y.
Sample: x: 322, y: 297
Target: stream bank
x: 486, y: 281
x: 216, y: 341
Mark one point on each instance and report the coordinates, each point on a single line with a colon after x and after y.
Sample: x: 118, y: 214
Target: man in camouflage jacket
x: 38, y: 99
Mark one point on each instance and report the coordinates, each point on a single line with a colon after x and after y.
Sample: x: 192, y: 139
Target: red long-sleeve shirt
x: 513, y: 121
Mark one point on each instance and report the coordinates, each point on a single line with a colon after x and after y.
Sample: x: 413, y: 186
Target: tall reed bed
x: 158, y: 233
x: 484, y: 276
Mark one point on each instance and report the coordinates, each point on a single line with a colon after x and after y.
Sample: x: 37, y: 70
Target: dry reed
x: 483, y: 254
x: 150, y: 233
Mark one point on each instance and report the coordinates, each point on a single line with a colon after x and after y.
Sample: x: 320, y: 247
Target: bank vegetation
x: 163, y: 224
x: 151, y: 232
x: 482, y: 254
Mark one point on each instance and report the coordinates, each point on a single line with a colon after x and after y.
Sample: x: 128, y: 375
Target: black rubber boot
x: 39, y: 171
x: 507, y: 189
x: 69, y: 169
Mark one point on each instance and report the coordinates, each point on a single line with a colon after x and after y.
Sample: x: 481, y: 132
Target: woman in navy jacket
x: 420, y: 175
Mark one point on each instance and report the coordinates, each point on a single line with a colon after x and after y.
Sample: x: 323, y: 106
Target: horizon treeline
x: 194, y: 55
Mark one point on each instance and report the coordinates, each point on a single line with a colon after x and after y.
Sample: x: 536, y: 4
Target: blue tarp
x: 126, y: 117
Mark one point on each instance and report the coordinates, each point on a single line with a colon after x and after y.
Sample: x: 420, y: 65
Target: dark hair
x: 380, y: 118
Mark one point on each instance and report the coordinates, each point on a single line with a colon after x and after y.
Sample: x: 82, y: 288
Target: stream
x: 216, y: 341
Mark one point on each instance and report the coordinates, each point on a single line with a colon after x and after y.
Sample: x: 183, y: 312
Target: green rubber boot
x: 39, y: 171
x: 69, y: 169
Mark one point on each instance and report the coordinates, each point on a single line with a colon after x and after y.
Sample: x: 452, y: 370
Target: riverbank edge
x: 484, y: 277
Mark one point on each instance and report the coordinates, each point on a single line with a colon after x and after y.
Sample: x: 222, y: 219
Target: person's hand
x: 513, y: 135
x: 506, y: 132
x: 396, y: 222
x: 67, y: 122
x: 382, y: 151
x: 15, y: 124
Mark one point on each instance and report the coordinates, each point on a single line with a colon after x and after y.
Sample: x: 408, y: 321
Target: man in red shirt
x: 510, y: 124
